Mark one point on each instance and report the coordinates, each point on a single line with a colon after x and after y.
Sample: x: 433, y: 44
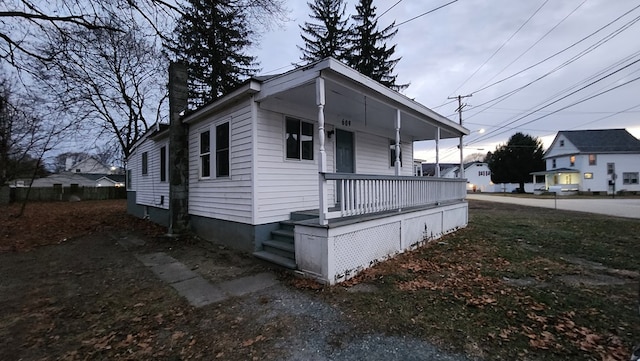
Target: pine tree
x: 212, y: 38
x: 329, y: 36
x: 368, y: 52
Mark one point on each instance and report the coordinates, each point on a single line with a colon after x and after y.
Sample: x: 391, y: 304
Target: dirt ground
x: 70, y: 291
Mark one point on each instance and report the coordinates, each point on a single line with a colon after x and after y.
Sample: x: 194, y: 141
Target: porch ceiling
x: 348, y: 99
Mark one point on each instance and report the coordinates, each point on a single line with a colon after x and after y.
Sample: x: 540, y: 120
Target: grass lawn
x: 518, y: 283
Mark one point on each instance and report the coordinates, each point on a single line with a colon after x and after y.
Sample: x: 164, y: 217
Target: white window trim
x: 200, y: 154
x: 214, y: 150
x: 315, y: 136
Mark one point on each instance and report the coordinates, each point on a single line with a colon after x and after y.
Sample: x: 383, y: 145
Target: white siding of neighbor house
x: 285, y: 185
x: 624, y: 163
x: 149, y: 190
x: 228, y: 198
x: 555, y: 149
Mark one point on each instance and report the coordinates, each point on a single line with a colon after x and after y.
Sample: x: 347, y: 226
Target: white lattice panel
x: 360, y: 249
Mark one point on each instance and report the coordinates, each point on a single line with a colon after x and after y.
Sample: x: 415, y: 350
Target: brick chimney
x: 178, y: 150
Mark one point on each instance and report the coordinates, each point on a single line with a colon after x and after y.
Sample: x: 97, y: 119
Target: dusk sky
x: 491, y: 48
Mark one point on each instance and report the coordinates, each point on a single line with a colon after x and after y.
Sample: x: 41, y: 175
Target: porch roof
x: 357, y: 99
x: 556, y: 171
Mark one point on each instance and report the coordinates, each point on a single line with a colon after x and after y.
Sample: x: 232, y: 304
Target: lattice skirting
x: 335, y: 254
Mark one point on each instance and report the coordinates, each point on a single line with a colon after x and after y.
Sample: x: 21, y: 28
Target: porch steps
x: 274, y: 258
x: 279, y: 249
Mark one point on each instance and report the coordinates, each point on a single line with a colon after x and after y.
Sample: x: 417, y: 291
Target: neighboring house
x: 606, y: 160
x: 88, y: 165
x: 312, y: 169
x: 478, y: 177
x: 477, y: 174
x: 68, y: 179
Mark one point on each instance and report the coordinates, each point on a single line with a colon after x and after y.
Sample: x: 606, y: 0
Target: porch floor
x: 313, y: 215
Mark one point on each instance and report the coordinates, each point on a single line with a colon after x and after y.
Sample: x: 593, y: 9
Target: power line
x: 608, y: 116
x: 501, y: 46
x: 536, y: 43
x: 392, y: 6
x: 567, y: 106
x: 425, y: 13
x: 584, y: 52
x: 559, y: 52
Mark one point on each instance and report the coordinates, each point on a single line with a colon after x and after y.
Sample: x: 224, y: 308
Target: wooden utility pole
x: 459, y: 110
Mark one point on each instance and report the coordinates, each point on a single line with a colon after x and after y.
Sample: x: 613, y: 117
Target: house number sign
x: 346, y: 123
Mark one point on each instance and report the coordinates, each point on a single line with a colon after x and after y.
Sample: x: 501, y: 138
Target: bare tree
x: 25, y: 24
x: 114, y: 81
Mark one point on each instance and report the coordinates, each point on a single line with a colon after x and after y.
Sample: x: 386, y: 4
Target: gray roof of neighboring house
x: 603, y: 140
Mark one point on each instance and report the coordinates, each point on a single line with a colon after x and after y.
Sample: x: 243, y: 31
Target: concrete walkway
x: 628, y: 208
x: 198, y: 291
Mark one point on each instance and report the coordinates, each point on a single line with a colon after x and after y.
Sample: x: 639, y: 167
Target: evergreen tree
x: 212, y: 38
x: 368, y: 53
x: 329, y: 36
x: 514, y: 161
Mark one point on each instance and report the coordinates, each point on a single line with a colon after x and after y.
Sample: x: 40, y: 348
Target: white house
x: 69, y: 179
x: 87, y: 165
x: 312, y: 169
x: 598, y: 161
x: 478, y: 174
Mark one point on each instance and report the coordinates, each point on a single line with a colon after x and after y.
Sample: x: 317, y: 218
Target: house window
x: 562, y: 143
x: 299, y: 139
x: 588, y: 175
x: 78, y: 170
x: 392, y: 153
x: 592, y: 159
x: 222, y: 150
x: 630, y: 178
x: 129, y: 180
x: 553, y: 163
x: 611, y: 168
x: 205, y: 154
x: 163, y: 164
x: 145, y: 163
x: 572, y: 160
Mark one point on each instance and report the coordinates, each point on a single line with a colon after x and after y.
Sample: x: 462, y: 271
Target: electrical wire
x: 557, y: 53
x: 501, y: 47
x: 389, y: 9
x: 425, y: 13
x: 495, y: 133
x: 535, y: 43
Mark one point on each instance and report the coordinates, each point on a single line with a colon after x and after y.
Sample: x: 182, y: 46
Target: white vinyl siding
x: 229, y: 197
x: 373, y: 155
x: 283, y: 185
x: 150, y: 191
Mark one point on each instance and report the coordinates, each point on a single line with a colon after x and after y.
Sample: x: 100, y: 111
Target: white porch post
x: 397, y: 160
x: 322, y: 156
x: 437, y: 173
x: 461, y: 158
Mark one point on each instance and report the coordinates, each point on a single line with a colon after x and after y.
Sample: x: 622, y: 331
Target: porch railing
x: 359, y: 194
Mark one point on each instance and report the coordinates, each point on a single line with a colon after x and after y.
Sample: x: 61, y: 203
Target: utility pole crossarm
x: 459, y: 110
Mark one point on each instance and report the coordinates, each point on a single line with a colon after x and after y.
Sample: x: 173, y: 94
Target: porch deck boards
x: 344, y: 221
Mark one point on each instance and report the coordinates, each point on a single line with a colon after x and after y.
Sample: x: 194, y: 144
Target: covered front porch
x: 369, y: 204
x: 567, y: 179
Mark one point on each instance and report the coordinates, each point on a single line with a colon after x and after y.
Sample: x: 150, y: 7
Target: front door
x: 344, y: 156
x: 344, y: 151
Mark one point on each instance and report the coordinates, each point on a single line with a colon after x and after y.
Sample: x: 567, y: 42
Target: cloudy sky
x: 492, y: 48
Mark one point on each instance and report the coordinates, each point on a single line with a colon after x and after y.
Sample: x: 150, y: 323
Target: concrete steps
x: 280, y: 249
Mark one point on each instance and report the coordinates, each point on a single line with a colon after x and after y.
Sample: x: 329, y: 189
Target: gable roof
x: 602, y: 140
